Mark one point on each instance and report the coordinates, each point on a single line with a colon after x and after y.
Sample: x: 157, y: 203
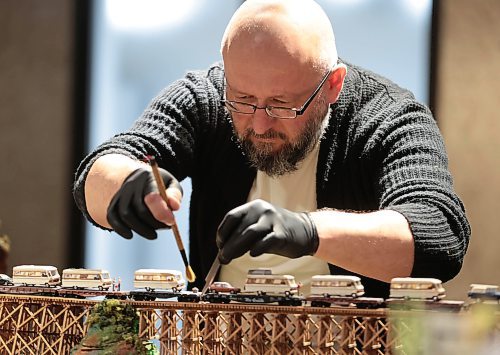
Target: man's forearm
x: 378, y: 244
x: 103, y: 180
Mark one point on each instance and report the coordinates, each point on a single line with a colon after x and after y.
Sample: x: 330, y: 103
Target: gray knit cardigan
x: 381, y: 150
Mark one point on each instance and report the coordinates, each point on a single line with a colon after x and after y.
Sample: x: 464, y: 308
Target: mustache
x: 270, y: 134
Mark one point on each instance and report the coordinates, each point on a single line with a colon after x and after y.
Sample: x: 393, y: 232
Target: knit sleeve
x: 175, y: 125
x: 415, y: 181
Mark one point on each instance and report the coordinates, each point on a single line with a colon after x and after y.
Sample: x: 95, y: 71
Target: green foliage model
x: 113, y: 329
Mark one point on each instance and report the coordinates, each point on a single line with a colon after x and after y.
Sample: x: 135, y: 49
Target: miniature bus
x: 417, y: 288
x: 86, y: 278
x: 484, y: 292
x: 263, y: 281
x: 151, y: 279
x: 35, y: 275
x: 336, y: 285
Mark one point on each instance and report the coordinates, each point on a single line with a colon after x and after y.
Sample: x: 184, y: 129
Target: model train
x: 261, y: 286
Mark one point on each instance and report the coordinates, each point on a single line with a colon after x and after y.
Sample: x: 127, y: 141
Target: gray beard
x: 287, y: 158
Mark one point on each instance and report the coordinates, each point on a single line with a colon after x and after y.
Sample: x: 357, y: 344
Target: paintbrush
x: 211, y: 274
x: 190, y: 276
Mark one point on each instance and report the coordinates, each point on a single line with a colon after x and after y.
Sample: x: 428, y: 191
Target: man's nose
x: 262, y: 122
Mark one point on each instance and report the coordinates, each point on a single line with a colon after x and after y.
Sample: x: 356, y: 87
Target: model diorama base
x: 53, y: 325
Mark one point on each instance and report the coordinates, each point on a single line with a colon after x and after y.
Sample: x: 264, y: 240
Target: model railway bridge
x: 53, y: 325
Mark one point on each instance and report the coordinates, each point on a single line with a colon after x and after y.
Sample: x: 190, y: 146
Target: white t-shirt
x: 296, y: 192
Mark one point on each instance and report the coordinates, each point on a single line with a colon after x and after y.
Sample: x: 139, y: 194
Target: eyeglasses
x: 283, y: 113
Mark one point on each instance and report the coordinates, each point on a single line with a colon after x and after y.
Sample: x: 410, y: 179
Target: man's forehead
x: 264, y: 67
x: 276, y: 83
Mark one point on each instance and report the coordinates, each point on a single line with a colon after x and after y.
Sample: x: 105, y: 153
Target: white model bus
x: 86, y: 278
x: 484, y: 292
x: 336, y: 285
x: 162, y: 279
x: 263, y: 281
x: 35, y: 275
x: 417, y: 288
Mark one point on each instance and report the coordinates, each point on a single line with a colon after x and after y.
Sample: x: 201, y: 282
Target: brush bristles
x: 190, y: 276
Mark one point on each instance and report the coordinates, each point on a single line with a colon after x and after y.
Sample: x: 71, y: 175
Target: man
x: 299, y: 162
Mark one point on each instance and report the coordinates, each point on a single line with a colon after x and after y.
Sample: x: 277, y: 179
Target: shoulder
x: 196, y: 87
x: 368, y: 85
x: 372, y: 109
x: 368, y: 94
x: 213, y: 75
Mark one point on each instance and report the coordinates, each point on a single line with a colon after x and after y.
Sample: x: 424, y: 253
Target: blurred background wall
x: 468, y: 111
x: 42, y: 107
x: 36, y: 119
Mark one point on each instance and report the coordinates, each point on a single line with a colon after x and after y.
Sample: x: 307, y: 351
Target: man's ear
x: 335, y: 82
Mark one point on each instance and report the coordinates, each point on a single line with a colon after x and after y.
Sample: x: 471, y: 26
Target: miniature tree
x: 113, y: 329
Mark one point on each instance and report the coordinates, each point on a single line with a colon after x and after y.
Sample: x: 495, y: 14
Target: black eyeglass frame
x: 297, y: 111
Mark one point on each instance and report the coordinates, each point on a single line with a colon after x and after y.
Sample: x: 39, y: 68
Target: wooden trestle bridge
x: 51, y: 325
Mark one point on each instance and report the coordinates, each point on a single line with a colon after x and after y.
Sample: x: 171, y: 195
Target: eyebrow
x: 279, y: 96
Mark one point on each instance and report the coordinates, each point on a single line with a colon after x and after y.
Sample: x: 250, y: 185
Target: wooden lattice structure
x: 49, y: 325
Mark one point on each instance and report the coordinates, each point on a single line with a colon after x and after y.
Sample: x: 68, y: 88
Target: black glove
x: 127, y: 211
x: 260, y: 227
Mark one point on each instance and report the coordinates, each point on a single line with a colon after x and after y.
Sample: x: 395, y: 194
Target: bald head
x: 280, y: 54
x: 274, y: 31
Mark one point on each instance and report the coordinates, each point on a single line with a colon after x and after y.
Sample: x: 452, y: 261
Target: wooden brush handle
x: 162, y: 190
x: 191, y: 277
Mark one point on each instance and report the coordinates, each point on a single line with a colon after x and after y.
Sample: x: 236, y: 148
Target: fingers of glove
x: 232, y: 220
x: 168, y: 180
x: 129, y: 204
x: 159, y: 210
x: 115, y: 221
x: 127, y: 211
x: 239, y: 218
x: 138, y: 226
x: 143, y: 211
x: 239, y: 244
x: 269, y: 244
x: 173, y: 189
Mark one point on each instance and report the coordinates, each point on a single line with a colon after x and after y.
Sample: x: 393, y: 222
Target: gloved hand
x: 127, y: 211
x: 260, y: 227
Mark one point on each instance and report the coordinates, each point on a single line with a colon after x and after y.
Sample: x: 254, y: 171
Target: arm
x: 105, y: 178
x: 419, y: 227
x: 377, y: 244
x: 175, y: 125
x: 103, y: 181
